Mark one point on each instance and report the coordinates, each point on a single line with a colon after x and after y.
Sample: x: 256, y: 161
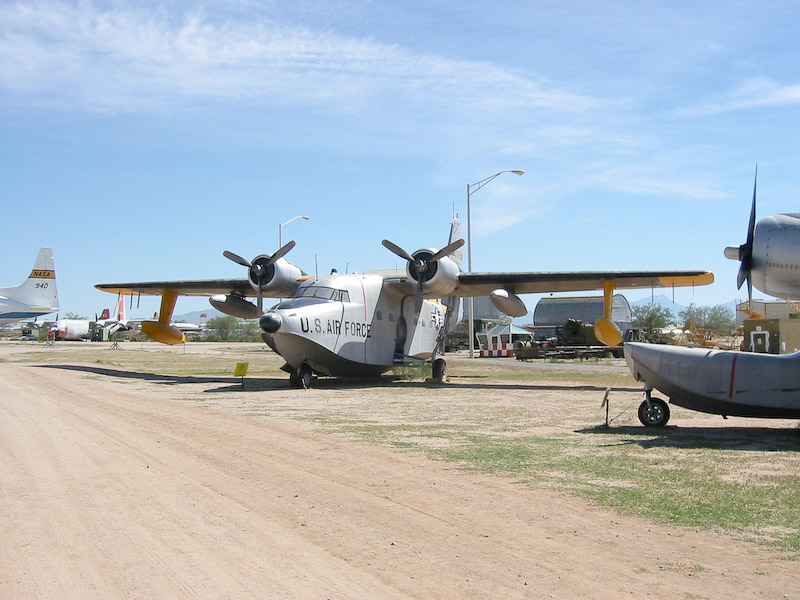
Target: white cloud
x: 131, y: 58
x: 753, y: 93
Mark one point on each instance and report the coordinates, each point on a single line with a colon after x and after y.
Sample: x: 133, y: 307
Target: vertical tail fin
x: 454, y: 305
x: 121, y: 316
x: 39, y: 290
x: 455, y: 234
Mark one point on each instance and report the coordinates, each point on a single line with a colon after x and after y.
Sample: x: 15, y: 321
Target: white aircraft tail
x: 455, y: 234
x: 38, y: 291
x: 454, y: 305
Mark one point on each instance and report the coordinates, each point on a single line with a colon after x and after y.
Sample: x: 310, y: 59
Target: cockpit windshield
x: 324, y: 293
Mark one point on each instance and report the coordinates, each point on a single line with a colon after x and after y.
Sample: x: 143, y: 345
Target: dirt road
x: 115, y: 489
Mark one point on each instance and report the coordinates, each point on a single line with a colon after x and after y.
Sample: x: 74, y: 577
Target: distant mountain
x: 194, y: 317
x: 666, y: 302
x: 660, y: 300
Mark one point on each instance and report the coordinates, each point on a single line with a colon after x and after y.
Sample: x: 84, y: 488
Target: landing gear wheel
x: 654, y: 414
x: 304, y: 375
x: 439, y: 370
x: 294, y: 379
x: 301, y: 378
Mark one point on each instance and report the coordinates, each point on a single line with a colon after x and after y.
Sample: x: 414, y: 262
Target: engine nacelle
x: 279, y: 279
x: 235, y: 306
x: 776, y: 256
x: 508, y: 303
x: 441, y: 277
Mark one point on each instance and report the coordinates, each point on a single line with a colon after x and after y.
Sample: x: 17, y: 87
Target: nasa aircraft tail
x: 37, y: 295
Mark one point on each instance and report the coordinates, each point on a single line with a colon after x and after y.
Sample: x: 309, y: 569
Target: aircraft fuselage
x: 352, y: 325
x: 722, y: 382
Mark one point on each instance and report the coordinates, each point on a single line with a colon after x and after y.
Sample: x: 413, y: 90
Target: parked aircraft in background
x: 120, y: 323
x: 191, y: 328
x: 34, y: 297
x: 81, y: 329
x: 72, y: 329
x: 729, y: 383
x: 365, y: 324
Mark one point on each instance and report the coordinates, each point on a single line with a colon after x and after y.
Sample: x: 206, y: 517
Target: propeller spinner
x: 422, y: 267
x: 259, y: 268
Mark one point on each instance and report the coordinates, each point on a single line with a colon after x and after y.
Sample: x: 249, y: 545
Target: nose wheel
x: 301, y: 378
x: 439, y: 370
x: 653, y: 412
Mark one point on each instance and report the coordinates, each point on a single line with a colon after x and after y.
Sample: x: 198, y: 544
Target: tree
x: 719, y: 319
x: 223, y: 327
x: 652, y: 317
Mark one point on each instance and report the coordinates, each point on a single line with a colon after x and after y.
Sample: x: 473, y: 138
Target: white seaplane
x: 730, y: 383
x: 362, y: 325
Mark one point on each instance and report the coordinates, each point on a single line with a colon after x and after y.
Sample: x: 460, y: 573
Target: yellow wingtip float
x: 605, y: 329
x: 161, y: 330
x: 607, y: 332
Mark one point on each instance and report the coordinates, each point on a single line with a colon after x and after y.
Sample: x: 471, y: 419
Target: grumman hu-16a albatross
x: 362, y: 325
x: 728, y: 383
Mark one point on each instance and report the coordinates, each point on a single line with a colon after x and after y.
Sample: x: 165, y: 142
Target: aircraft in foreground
x: 364, y: 324
x: 34, y: 297
x: 730, y: 383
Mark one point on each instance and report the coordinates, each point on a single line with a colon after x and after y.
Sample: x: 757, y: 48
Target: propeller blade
x: 282, y: 251
x: 746, y: 249
x: 744, y: 275
x: 446, y: 251
x: 752, y: 226
x: 418, y: 299
x: 236, y: 258
x: 397, y: 250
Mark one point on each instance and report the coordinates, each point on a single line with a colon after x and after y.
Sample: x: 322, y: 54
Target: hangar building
x: 555, y: 311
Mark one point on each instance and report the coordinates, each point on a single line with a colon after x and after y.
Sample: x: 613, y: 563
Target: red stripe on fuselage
x: 733, y: 376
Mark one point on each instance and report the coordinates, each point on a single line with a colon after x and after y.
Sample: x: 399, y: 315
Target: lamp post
x: 471, y: 189
x: 282, y: 225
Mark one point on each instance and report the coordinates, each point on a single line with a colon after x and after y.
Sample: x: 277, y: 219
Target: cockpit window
x: 324, y: 293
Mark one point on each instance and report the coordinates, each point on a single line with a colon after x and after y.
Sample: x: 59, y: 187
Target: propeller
x: 260, y: 267
x: 744, y: 253
x: 422, y: 267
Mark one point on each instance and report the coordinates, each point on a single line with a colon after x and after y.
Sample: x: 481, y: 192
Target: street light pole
x: 472, y: 188
x: 282, y: 225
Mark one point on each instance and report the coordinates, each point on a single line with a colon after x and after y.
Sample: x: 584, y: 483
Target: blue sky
x: 141, y: 139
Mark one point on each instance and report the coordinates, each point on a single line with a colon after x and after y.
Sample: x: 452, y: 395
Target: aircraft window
x: 380, y: 316
x: 325, y: 293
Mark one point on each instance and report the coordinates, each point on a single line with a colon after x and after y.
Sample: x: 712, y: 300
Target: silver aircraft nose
x: 270, y: 322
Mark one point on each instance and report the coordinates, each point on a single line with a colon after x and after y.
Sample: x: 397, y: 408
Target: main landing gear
x: 301, y: 378
x: 653, y: 412
x: 439, y: 370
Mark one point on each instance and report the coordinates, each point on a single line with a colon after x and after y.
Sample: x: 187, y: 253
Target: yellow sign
x: 241, y: 369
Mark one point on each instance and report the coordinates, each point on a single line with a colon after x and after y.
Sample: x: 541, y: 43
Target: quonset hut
x: 555, y: 311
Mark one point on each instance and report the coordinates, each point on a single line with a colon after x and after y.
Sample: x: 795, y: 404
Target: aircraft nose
x: 270, y: 322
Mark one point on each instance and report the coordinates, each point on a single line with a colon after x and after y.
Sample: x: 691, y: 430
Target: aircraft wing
x: 196, y: 287
x: 482, y: 284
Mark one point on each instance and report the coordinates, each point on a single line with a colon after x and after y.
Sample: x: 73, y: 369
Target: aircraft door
x: 759, y: 341
x: 401, y: 336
